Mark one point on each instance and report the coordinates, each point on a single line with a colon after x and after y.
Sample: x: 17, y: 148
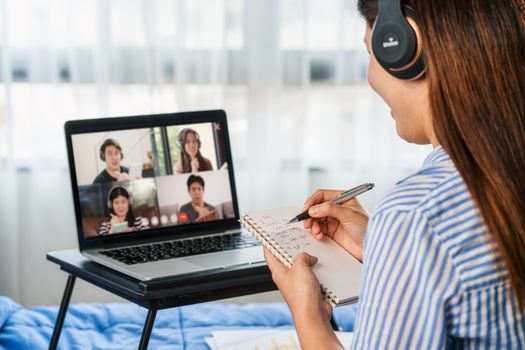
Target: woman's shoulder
x: 436, y: 179
x: 436, y: 193
x: 435, y: 206
x: 208, y: 163
x: 434, y: 201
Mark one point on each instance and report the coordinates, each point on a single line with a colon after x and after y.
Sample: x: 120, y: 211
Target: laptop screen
x: 137, y: 179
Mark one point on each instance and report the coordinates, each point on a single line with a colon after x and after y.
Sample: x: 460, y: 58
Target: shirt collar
x: 437, y: 155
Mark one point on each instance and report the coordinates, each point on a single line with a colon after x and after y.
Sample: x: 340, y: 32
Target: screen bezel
x: 142, y: 122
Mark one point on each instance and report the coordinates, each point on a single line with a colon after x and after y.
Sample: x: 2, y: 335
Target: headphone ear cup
x: 109, y: 203
x: 397, y: 44
x: 182, y: 136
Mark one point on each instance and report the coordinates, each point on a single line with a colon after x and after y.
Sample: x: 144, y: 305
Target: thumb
x: 329, y: 209
x: 305, y: 259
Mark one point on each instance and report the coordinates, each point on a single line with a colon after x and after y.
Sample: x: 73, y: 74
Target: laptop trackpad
x: 221, y: 259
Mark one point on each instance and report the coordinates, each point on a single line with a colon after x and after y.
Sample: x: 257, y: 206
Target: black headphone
x: 110, y: 203
x: 182, y: 137
x: 396, y: 40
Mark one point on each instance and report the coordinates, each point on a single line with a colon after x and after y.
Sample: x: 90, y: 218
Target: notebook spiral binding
x: 285, y: 258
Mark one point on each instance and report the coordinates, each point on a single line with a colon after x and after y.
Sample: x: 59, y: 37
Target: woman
x: 191, y: 159
x: 121, y: 218
x: 442, y: 254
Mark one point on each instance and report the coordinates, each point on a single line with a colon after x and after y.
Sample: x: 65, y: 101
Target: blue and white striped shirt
x: 432, y: 275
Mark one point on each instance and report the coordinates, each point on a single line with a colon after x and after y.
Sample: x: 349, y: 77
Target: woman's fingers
x: 341, y: 213
x: 276, y: 267
x: 320, y: 196
x: 319, y: 229
x: 308, y: 223
x: 305, y: 259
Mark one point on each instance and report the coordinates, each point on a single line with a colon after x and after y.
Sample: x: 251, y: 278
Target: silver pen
x: 341, y: 198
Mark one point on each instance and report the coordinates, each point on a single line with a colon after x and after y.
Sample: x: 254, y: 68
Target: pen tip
x: 292, y: 221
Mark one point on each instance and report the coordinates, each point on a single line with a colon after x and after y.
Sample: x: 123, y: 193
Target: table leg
x: 146, y: 332
x: 62, y: 312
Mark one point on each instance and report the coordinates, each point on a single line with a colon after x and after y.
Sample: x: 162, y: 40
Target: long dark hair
x: 186, y: 158
x: 121, y: 191
x: 475, y: 54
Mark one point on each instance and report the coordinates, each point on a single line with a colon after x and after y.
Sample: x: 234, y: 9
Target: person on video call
x: 120, y: 212
x: 197, y: 210
x: 191, y: 159
x: 111, y: 154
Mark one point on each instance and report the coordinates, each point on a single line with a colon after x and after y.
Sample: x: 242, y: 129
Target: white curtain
x: 291, y: 75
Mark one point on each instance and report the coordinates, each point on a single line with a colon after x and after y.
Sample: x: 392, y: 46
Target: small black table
x: 167, y: 293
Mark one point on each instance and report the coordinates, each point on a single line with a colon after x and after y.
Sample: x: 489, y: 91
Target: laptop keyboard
x: 180, y: 248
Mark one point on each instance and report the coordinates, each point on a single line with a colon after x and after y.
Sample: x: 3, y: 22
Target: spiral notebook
x: 337, y: 271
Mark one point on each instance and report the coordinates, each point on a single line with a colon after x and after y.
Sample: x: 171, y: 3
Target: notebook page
x: 265, y: 339
x: 336, y: 268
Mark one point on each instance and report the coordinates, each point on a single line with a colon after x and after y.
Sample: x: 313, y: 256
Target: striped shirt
x: 432, y: 274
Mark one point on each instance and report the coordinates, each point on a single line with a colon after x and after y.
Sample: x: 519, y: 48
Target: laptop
x: 178, y: 216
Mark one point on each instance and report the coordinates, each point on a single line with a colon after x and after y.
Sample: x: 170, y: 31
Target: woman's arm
x: 315, y: 332
x: 408, y: 280
x: 346, y: 225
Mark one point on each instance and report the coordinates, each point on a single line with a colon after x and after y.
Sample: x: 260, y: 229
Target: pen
x: 341, y: 198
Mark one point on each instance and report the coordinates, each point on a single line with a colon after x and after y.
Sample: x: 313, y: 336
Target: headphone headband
x: 393, y: 8
x: 106, y: 144
x: 182, y: 137
x: 110, y: 202
x: 396, y: 42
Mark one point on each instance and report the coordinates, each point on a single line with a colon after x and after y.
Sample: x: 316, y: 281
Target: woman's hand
x: 344, y: 223
x: 195, y: 165
x: 301, y: 291
x: 298, y: 285
x: 113, y: 221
